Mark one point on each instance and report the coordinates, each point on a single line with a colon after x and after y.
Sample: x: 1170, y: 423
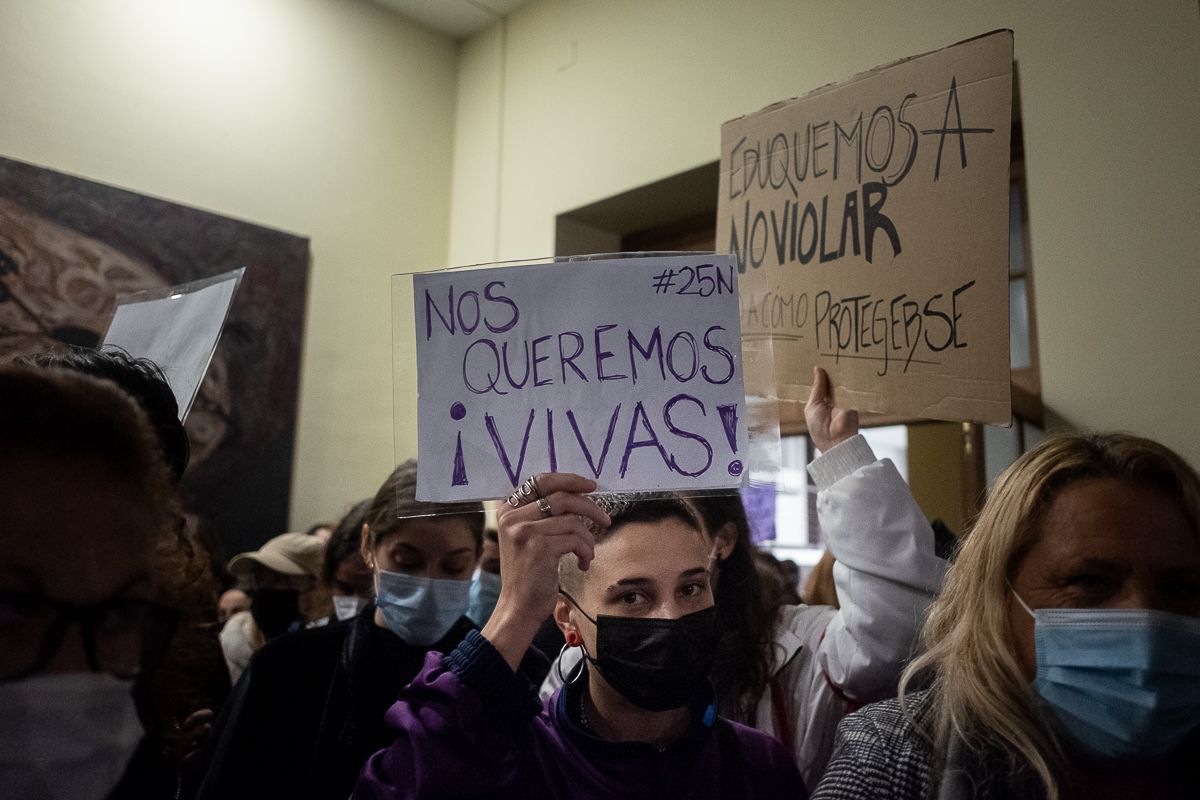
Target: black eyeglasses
x: 124, y: 636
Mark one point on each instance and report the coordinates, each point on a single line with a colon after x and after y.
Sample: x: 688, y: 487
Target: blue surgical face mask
x: 1121, y: 683
x: 485, y: 591
x: 420, y: 610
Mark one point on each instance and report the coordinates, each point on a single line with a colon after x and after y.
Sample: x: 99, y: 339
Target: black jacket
x: 308, y: 712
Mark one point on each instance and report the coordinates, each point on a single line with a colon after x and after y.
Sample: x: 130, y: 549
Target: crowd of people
x: 591, y: 645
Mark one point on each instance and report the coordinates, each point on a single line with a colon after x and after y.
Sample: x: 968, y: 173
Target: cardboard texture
x: 870, y: 218
x: 624, y: 370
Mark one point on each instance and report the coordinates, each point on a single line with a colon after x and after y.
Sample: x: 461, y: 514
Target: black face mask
x: 656, y: 664
x: 274, y: 610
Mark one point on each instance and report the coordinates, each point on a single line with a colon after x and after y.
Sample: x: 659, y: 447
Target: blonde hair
x: 979, y: 691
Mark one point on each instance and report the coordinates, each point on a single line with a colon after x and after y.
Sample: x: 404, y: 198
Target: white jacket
x: 829, y: 661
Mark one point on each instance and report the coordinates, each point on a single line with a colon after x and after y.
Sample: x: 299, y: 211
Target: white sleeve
x: 886, y: 572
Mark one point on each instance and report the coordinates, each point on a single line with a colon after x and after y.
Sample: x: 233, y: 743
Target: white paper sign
x: 176, y: 328
x: 624, y: 370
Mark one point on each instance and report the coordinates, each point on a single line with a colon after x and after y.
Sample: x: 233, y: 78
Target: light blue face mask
x: 485, y: 591
x: 1122, y: 683
x: 420, y: 610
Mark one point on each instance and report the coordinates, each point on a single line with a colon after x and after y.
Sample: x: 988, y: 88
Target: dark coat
x: 309, y: 711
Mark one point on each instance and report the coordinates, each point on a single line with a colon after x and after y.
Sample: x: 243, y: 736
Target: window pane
x: 890, y: 441
x: 796, y: 535
x: 791, y: 498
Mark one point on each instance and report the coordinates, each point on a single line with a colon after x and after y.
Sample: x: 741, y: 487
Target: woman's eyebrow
x: 625, y: 583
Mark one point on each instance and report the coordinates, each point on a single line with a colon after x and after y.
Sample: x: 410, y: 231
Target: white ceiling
x: 458, y: 19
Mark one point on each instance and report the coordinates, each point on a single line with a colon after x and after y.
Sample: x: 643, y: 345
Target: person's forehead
x: 1112, y: 519
x: 665, y: 548
x: 81, y: 530
x: 432, y: 533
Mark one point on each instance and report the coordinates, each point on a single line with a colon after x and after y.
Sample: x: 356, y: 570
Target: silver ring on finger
x: 527, y: 492
x: 544, y: 506
x: 513, y: 500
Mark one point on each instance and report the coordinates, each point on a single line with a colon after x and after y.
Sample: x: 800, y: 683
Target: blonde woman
x: 1062, y: 656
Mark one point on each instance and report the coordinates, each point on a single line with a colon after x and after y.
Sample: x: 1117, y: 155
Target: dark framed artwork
x: 69, y: 246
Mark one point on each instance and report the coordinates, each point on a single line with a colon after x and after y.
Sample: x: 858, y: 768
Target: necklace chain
x: 582, y: 713
x: 583, y: 720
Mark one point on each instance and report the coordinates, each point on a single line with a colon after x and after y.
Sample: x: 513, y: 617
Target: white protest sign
x: 625, y: 370
x: 177, y: 328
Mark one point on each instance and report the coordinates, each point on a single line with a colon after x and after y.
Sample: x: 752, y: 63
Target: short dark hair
x: 141, y: 379
x: 626, y: 509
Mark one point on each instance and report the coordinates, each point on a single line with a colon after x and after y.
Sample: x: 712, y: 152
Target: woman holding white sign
x: 628, y: 579
x: 815, y: 664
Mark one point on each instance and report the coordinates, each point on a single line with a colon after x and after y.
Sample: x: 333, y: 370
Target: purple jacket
x: 467, y: 726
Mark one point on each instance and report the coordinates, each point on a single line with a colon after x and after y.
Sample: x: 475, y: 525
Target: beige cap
x: 288, y: 553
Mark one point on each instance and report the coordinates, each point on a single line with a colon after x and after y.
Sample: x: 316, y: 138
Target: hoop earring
x: 575, y: 674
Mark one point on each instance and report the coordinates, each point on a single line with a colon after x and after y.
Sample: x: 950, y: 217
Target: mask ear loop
x: 571, y: 600
x: 1028, y: 610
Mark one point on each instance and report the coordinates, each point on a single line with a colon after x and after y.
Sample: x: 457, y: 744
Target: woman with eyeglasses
x: 175, y: 699
x: 85, y: 499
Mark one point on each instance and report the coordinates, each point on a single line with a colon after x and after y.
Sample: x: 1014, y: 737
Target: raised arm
x: 533, y: 537
x: 459, y: 722
x: 886, y: 575
x: 886, y: 572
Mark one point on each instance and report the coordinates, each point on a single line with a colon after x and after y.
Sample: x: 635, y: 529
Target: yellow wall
x: 601, y: 97
x: 331, y: 119
x: 393, y: 149
x: 935, y: 469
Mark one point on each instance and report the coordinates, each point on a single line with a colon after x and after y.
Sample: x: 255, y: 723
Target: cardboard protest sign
x: 625, y: 370
x: 177, y: 328
x: 870, y: 219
